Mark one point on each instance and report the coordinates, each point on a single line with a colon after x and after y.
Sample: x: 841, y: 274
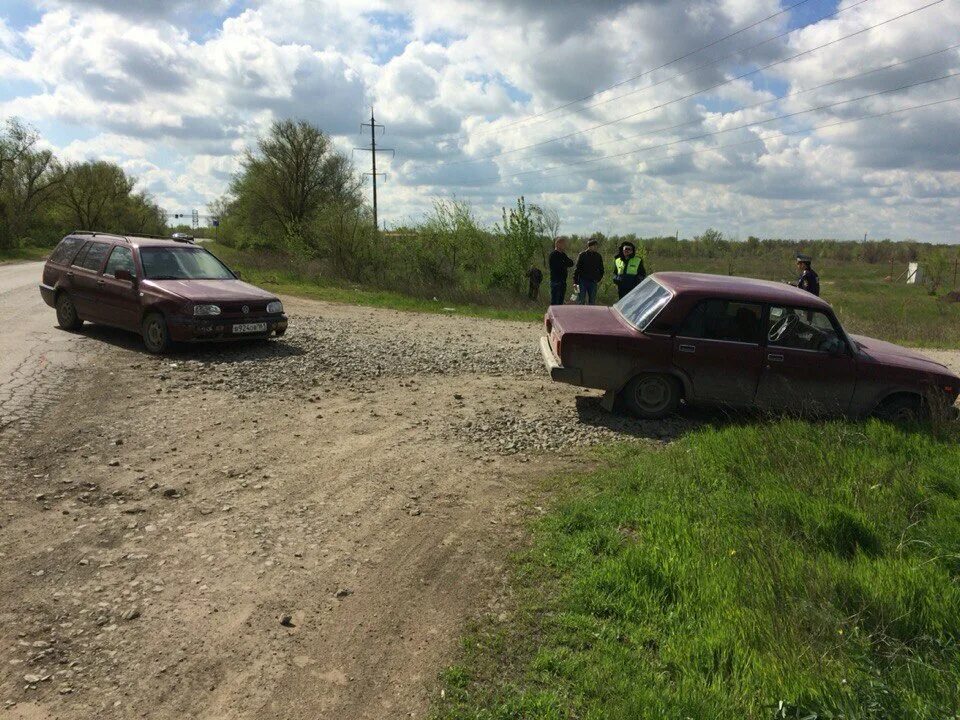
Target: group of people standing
x: 629, y: 271
x: 588, y: 271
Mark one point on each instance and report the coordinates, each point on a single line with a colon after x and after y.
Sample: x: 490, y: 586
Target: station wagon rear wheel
x: 652, y: 396
x: 67, y: 317
x: 155, y: 335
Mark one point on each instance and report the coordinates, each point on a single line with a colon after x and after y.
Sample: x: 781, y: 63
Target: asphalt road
x: 34, y: 353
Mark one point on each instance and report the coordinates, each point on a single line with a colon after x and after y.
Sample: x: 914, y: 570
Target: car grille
x: 236, y: 309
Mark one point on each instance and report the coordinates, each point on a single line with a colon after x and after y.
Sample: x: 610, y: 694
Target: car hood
x: 213, y: 290
x: 890, y: 354
x: 589, y: 320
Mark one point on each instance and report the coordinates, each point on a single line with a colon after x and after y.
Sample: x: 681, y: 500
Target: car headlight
x: 206, y: 309
x: 275, y: 307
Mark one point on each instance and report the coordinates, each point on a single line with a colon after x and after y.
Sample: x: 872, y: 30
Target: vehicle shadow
x: 234, y: 351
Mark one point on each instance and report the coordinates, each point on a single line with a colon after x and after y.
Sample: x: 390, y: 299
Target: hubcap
x: 155, y: 333
x: 653, y: 394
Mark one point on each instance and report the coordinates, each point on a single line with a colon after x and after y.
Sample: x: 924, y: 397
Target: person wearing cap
x: 534, y: 278
x: 587, y: 274
x: 629, y: 268
x: 809, y: 280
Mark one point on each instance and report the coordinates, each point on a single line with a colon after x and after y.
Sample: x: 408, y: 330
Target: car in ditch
x: 740, y: 343
x: 166, y: 289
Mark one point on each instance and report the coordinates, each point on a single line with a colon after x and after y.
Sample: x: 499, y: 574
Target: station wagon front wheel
x: 652, y: 396
x: 156, y: 338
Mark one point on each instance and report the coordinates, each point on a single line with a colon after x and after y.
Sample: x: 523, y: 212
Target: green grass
x: 865, y: 302
x: 782, y: 570
x: 23, y: 253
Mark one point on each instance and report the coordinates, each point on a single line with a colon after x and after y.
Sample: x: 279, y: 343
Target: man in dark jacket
x: 809, y: 280
x: 588, y: 273
x: 559, y: 262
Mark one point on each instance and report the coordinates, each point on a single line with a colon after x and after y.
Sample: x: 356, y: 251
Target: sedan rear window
x: 182, y: 263
x: 642, y: 304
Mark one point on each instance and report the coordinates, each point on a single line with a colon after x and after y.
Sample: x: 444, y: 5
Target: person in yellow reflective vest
x: 628, y: 268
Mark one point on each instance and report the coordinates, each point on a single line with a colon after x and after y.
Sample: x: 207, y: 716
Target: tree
x: 548, y: 225
x: 93, y: 195
x: 28, y: 179
x: 292, y: 176
x: 520, y: 241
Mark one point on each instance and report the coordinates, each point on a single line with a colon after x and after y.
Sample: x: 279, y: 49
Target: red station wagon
x: 737, y: 342
x: 165, y: 289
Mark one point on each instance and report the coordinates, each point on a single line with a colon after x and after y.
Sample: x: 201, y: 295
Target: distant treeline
x: 41, y: 197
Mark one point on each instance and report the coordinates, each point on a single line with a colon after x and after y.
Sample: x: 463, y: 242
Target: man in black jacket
x: 560, y: 262
x: 588, y: 273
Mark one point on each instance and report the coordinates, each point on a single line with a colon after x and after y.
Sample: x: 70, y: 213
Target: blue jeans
x: 588, y: 293
x: 557, y: 291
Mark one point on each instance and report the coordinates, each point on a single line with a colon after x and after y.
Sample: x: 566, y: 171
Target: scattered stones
x: 287, y: 621
x: 130, y: 614
x: 343, y: 592
x: 171, y: 492
x: 113, y: 463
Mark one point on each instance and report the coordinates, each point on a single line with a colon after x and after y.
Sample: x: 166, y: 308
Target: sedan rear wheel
x: 155, y: 335
x: 67, y: 317
x: 652, y: 396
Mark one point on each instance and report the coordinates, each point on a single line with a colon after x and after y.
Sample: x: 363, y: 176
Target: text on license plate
x: 250, y: 328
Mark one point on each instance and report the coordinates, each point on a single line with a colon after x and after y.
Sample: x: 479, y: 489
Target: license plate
x: 250, y: 328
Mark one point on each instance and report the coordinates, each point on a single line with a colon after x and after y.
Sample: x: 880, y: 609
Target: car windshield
x: 641, y: 304
x: 182, y: 263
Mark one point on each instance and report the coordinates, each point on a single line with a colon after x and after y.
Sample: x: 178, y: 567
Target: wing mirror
x: 124, y: 275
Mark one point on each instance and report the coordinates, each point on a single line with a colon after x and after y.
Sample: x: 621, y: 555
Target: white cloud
x: 174, y: 91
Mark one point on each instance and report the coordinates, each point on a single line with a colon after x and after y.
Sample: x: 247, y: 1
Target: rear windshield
x: 642, y: 304
x: 182, y: 263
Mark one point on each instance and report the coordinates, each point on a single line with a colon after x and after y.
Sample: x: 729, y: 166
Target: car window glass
x: 642, y: 304
x: 801, y: 330
x: 120, y: 259
x: 66, y: 250
x: 82, y: 254
x: 724, y: 320
x: 93, y: 258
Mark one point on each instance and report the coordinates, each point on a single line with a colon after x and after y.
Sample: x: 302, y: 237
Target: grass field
x: 781, y: 570
x: 865, y: 302
x: 23, y: 253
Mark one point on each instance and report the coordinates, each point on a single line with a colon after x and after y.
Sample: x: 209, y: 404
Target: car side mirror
x: 124, y: 275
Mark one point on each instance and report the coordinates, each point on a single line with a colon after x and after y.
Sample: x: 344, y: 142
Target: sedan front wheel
x: 652, y: 396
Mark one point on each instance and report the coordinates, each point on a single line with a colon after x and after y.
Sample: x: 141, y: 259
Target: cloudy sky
x: 625, y: 116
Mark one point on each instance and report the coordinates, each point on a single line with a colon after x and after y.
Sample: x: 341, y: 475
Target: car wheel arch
x: 681, y: 377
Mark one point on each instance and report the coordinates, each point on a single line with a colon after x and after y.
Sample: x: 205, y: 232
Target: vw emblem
x: 245, y: 309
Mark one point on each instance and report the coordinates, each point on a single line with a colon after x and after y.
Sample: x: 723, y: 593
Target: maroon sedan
x: 167, y: 290
x: 736, y: 342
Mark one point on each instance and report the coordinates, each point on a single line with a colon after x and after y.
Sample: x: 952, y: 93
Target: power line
x: 726, y: 130
x: 693, y: 94
x: 652, y: 70
x: 776, y: 99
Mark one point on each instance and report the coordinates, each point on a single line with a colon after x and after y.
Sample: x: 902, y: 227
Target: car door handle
x: 687, y: 348
x: 70, y: 274
x: 100, y: 283
x: 775, y: 357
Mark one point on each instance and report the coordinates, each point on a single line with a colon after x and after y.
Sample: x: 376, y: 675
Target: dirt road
x: 294, y: 529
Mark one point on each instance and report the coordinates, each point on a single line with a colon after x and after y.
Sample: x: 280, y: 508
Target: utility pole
x: 373, y: 150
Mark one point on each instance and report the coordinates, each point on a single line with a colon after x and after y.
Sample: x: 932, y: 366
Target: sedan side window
x: 94, y: 256
x: 120, y: 259
x: 802, y: 330
x: 728, y: 320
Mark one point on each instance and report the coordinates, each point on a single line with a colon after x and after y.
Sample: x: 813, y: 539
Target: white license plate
x: 250, y: 328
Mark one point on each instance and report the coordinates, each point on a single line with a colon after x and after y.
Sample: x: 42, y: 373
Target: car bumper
x: 48, y: 294
x: 558, y: 372
x: 187, y: 329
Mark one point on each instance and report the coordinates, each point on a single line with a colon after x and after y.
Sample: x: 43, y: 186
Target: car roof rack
x: 94, y: 233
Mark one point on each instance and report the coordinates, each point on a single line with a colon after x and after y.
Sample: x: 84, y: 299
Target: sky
x: 774, y: 118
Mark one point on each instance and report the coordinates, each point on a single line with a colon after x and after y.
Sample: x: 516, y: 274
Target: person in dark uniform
x: 588, y: 273
x: 560, y: 263
x: 809, y: 280
x: 535, y: 276
x: 628, y: 268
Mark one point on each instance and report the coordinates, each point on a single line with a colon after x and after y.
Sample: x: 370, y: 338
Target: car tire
x: 903, y: 410
x: 156, y: 337
x: 67, y: 317
x: 652, y: 396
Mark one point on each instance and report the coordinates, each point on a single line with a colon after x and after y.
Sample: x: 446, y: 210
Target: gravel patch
x: 347, y: 353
